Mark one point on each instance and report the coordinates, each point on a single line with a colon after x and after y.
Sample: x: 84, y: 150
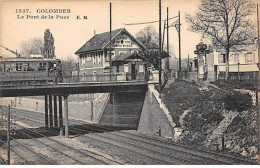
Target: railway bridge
x: 58, y: 93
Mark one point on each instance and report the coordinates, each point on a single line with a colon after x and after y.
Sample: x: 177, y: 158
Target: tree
x: 226, y: 21
x: 31, y: 46
x: 149, y: 37
x: 67, y: 66
x: 148, y: 34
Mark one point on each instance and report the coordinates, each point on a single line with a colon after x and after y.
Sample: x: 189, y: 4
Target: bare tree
x: 226, y: 21
x: 148, y: 34
x: 31, y: 46
x: 68, y: 65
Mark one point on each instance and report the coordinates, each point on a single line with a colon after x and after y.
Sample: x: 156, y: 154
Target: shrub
x: 237, y: 101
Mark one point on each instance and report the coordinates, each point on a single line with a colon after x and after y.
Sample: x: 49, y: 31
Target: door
x: 133, y: 71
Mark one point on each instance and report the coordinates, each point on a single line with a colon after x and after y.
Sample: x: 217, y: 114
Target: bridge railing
x: 93, y: 78
x: 101, y: 78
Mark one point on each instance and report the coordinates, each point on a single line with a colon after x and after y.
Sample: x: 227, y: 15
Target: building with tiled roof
x: 127, y: 63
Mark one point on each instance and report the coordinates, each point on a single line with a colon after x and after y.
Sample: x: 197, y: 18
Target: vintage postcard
x: 129, y: 82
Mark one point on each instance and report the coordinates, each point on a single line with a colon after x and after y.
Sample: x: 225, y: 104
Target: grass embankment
x: 204, y: 118
x: 210, y: 107
x: 241, y: 134
x: 182, y: 95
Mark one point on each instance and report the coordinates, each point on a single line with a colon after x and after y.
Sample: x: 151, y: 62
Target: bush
x: 237, y: 101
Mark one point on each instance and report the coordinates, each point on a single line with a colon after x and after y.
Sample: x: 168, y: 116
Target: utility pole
x: 160, y: 57
x: 167, y: 30
x: 167, y: 60
x: 188, y: 63
x: 164, y: 26
x: 179, y: 24
x: 258, y: 85
x: 8, y: 135
x: 110, y: 61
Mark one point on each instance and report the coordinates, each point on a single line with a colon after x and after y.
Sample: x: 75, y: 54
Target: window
x: 126, y: 68
x: 249, y: 57
x: 222, y: 58
x: 121, y: 52
x: 112, y: 55
x: 83, y: 60
x: 234, y: 58
x: 88, y: 56
x: 94, y: 61
x: 99, y: 59
x: 42, y: 66
x: 141, y: 68
x: 19, y: 66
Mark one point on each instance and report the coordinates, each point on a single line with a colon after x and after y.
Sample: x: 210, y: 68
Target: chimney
x: 94, y: 32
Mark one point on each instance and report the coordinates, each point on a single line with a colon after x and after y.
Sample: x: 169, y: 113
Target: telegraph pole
x: 160, y: 49
x: 164, y: 26
x: 258, y: 85
x: 167, y: 60
x: 8, y: 135
x: 179, y: 24
x: 167, y: 30
x: 110, y: 62
x: 188, y: 65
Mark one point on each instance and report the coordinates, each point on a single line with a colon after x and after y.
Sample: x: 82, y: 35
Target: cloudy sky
x: 70, y: 34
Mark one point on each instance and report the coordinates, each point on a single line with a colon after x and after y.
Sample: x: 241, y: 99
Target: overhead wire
x: 130, y: 24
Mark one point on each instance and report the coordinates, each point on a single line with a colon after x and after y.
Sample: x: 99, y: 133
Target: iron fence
x: 101, y: 78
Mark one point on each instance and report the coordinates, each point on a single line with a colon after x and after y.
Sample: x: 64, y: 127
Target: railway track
x: 212, y: 156
x: 156, y: 150
x: 56, y: 147
x: 27, y: 152
x: 15, y: 154
x: 173, y: 155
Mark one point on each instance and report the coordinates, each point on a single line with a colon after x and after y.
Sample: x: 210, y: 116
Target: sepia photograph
x: 129, y: 82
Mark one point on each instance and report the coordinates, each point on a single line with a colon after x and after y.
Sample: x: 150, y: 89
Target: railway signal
x: 201, y: 50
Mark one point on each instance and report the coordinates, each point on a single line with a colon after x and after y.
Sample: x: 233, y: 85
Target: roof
x: 99, y: 41
x: 124, y: 56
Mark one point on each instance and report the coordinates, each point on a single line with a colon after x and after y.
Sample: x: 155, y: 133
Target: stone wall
x: 155, y: 119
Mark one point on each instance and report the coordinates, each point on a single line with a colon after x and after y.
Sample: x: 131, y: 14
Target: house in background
x: 243, y: 61
x: 127, y: 63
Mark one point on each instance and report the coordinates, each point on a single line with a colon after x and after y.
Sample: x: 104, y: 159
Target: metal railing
x: 103, y: 78
x: 95, y: 78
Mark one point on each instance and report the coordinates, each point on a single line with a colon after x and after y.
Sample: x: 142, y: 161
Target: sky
x: 70, y: 34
